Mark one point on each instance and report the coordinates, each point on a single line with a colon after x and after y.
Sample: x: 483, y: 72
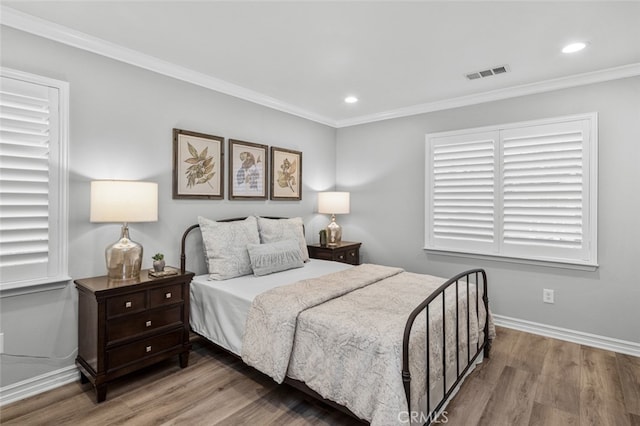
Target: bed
x: 356, y: 337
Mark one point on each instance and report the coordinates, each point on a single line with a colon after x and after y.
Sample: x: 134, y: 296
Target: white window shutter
x: 462, y: 192
x: 521, y: 191
x: 30, y: 222
x: 545, y: 191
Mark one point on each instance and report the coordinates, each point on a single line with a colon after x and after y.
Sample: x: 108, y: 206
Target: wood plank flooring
x: 529, y: 380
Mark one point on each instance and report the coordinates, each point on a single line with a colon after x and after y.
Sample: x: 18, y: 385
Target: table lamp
x: 124, y: 201
x: 333, y: 203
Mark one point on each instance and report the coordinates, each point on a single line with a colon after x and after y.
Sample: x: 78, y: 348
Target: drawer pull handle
x: 148, y: 323
x: 148, y: 348
x: 127, y: 304
x: 353, y: 254
x: 167, y: 296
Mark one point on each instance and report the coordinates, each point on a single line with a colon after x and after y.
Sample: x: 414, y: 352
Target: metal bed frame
x: 469, y: 277
x: 485, y: 346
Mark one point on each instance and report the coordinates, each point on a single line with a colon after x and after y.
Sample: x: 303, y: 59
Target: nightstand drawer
x: 127, y: 304
x: 348, y: 256
x: 165, y: 295
x: 129, y: 326
x: 323, y: 255
x: 136, y: 351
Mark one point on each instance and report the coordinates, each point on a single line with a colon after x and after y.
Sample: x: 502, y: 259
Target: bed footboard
x: 474, y: 277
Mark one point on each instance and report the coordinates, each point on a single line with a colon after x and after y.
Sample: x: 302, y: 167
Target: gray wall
x: 382, y: 164
x: 121, y: 120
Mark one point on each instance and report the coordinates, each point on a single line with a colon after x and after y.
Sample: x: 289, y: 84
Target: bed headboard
x: 183, y: 256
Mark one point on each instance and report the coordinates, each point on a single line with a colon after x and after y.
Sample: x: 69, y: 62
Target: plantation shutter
x: 523, y: 191
x: 29, y: 137
x: 462, y: 196
x: 545, y: 191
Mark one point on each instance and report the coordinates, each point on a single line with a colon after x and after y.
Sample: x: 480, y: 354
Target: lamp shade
x: 333, y: 202
x: 124, y: 201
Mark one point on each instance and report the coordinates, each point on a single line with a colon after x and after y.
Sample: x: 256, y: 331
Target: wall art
x: 198, y: 165
x: 286, y: 174
x: 247, y: 170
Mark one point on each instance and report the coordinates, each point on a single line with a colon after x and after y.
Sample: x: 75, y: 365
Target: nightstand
x: 125, y: 326
x: 345, y: 252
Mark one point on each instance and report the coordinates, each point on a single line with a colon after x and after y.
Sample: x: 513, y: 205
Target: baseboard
x: 54, y: 379
x: 38, y: 384
x: 602, y: 342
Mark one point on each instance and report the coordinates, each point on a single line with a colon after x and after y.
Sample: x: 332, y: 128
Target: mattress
x: 219, y: 308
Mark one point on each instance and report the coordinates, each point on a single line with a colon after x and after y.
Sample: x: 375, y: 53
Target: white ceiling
x: 396, y: 57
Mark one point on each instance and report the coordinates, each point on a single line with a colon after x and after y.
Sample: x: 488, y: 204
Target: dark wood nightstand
x: 345, y: 252
x: 124, y: 326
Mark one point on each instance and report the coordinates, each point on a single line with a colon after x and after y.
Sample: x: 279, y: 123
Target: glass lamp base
x: 124, y: 258
x: 334, y: 233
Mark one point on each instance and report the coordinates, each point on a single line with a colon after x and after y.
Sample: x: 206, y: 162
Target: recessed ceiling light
x: 574, y: 47
x: 351, y: 99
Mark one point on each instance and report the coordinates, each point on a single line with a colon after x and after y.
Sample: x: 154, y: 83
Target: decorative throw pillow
x: 273, y: 230
x: 275, y: 257
x: 225, y: 246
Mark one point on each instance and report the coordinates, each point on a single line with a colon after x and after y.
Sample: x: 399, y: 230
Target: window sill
x: 19, y: 288
x: 535, y: 262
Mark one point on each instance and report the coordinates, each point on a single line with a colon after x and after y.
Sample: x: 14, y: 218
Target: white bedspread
x: 219, y: 308
x: 341, y: 334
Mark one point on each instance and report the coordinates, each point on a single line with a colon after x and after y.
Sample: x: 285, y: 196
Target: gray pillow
x: 225, y: 246
x: 275, y: 257
x: 274, y: 230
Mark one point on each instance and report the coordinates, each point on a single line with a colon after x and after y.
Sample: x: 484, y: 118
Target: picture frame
x: 198, y: 165
x: 247, y: 170
x: 286, y: 174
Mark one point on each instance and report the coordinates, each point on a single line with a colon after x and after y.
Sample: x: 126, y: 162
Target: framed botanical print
x: 198, y: 165
x: 286, y: 174
x: 247, y: 170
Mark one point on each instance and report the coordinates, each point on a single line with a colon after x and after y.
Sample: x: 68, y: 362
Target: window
x: 522, y: 191
x: 33, y: 179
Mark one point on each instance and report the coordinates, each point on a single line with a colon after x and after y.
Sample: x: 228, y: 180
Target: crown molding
x: 43, y: 28
x: 52, y: 31
x: 624, y: 71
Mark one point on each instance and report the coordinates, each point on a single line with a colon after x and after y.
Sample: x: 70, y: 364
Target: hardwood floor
x: 534, y: 380
x: 529, y: 380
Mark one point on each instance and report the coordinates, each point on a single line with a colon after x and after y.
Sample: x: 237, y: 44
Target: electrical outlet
x: 547, y: 295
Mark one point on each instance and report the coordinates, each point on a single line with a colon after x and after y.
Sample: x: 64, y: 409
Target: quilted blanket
x: 341, y: 334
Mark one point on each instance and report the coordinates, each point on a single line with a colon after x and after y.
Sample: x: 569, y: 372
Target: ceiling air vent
x: 487, y: 73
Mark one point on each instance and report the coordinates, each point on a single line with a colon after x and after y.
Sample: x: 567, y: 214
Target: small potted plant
x: 158, y: 262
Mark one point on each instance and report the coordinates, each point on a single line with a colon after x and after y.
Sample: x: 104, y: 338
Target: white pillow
x: 274, y: 230
x: 275, y: 257
x: 225, y: 246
